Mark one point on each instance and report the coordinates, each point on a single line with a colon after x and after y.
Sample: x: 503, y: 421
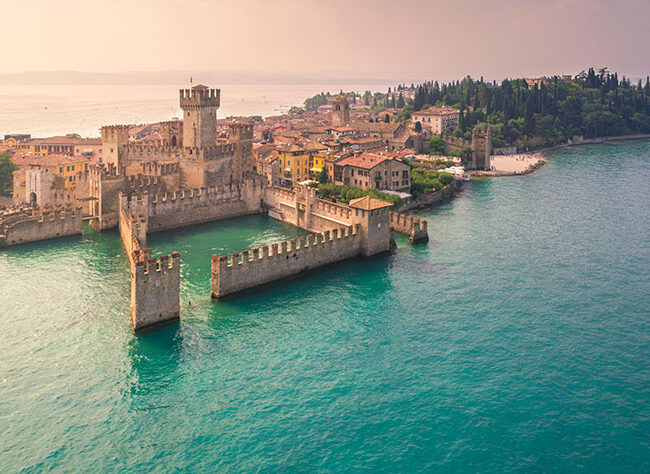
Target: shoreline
x: 543, y: 154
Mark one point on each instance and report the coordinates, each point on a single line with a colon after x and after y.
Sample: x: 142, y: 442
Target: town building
x: 436, y: 120
x: 373, y: 171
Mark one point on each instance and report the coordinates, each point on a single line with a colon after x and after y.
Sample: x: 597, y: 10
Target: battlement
x: 153, y: 168
x: 155, y: 291
x: 289, y: 194
x: 40, y: 224
x: 256, y: 266
x: 221, y: 150
x: 113, y: 133
x: 142, y: 181
x: 333, y: 209
x: 155, y: 283
x: 151, y: 151
x: 199, y: 96
x: 415, y: 228
x: 107, y: 170
x: 240, y: 131
x: 147, y: 266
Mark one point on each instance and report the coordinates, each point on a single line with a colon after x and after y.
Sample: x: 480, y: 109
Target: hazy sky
x: 400, y: 39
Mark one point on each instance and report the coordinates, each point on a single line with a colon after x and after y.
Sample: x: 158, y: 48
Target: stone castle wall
x: 155, y: 283
x: 43, y: 224
x: 195, y: 206
x: 415, y: 228
x: 282, y: 260
x: 300, y: 207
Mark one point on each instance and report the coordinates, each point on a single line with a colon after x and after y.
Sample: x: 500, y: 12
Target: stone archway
x: 32, y: 199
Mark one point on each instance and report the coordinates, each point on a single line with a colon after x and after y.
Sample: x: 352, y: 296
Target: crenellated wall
x: 194, y: 206
x: 42, y: 224
x: 300, y: 207
x: 155, y: 283
x: 415, y: 228
x: 282, y: 260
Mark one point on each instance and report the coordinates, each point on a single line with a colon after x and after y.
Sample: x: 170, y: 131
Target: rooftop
x: 364, y: 160
x: 437, y: 111
x: 368, y: 203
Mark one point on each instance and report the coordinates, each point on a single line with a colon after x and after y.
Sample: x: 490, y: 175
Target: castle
x: 187, y: 178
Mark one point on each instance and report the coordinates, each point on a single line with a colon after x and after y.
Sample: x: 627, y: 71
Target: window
x: 61, y: 169
x: 67, y: 168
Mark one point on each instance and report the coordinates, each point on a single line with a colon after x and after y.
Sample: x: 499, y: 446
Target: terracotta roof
x: 90, y: 141
x: 376, y: 126
x: 61, y: 140
x: 291, y: 147
x: 368, y: 203
x: 364, y: 160
x: 437, y: 111
x: 49, y: 160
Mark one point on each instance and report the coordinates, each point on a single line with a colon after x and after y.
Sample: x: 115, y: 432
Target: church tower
x: 340, y: 111
x: 199, y: 105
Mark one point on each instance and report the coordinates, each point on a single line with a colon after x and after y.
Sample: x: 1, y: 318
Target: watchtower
x: 481, y: 148
x: 241, y: 135
x: 199, y: 105
x: 340, y: 110
x: 114, y: 137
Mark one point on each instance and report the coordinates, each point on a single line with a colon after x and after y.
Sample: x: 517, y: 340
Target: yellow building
x: 35, y: 146
x: 64, y: 167
x: 294, y: 164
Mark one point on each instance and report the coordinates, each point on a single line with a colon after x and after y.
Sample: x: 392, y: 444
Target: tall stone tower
x: 199, y: 105
x: 114, y: 137
x: 481, y: 148
x: 241, y: 135
x: 340, y: 111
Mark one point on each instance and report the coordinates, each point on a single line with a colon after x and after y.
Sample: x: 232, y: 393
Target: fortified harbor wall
x: 155, y: 283
x: 42, y: 224
x: 194, y: 206
x: 415, y: 228
x: 283, y: 260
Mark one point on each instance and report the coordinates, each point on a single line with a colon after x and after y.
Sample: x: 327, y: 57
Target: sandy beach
x: 516, y: 164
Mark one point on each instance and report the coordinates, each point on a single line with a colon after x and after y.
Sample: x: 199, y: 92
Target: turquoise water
x: 517, y: 339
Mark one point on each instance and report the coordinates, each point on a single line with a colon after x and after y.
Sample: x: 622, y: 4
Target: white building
x: 437, y: 120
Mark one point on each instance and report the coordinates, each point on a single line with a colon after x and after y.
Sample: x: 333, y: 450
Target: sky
x: 365, y: 39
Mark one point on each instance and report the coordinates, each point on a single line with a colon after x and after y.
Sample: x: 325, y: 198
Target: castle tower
x: 241, y: 135
x: 114, y: 137
x: 481, y: 149
x: 199, y: 105
x: 340, y: 111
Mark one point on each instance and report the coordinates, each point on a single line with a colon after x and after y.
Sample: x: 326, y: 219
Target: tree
x: 296, y: 110
x: 322, y: 176
x: 6, y: 174
x: 436, y: 146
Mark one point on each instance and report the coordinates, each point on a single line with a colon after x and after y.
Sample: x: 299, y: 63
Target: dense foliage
x: 424, y: 180
x: 347, y: 193
x: 6, y: 174
x: 593, y: 104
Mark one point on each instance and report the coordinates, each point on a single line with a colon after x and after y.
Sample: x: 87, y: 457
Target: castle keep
x: 188, y: 177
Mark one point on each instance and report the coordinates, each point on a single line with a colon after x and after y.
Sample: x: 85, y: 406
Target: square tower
x: 199, y: 104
